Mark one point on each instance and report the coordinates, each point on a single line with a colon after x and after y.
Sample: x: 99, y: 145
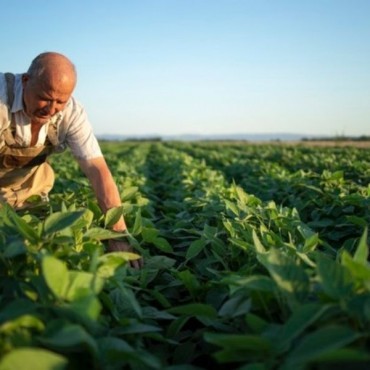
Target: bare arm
x: 104, y: 186
x: 107, y: 194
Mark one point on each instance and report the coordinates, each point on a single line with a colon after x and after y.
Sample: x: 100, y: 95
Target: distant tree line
x: 132, y: 139
x: 339, y: 138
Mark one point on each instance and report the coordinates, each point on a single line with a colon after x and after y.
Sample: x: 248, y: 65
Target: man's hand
x: 108, y: 197
x: 121, y: 246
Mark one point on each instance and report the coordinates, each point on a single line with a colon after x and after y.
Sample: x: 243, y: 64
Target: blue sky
x: 205, y: 66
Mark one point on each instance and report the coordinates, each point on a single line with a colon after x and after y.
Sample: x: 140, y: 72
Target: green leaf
x: 93, y: 207
x: 84, y: 221
x: 189, y: 280
x: 82, y: 284
x: 242, y: 196
x: 241, y: 243
x: 135, y: 328
x: 176, y: 326
x: 138, y: 224
x: 61, y: 220
x: 149, y: 234
x: 359, y: 271
x: 24, y: 321
x: 112, y: 216
x: 21, y: 226
x: 69, y: 337
x: 236, y: 306
x: 343, y: 355
x: 159, y: 263
x: 163, y: 245
x: 311, y: 243
x: 362, y: 252
x: 33, y: 358
x: 238, y: 342
x: 335, y: 279
x: 56, y: 275
x: 120, y: 353
x: 113, y: 347
x: 128, y: 193
x: 195, y: 248
x: 257, y: 243
x: 127, y: 303
x: 98, y: 233
x: 88, y: 305
x: 110, y: 262
x: 150, y: 312
x: 232, y: 207
x: 15, y: 248
x: 69, y: 285
x: 290, y: 277
x: 17, y: 307
x: 300, y: 320
x: 194, y: 309
x: 360, y: 221
x: 254, y: 282
x: 320, y: 343
x: 256, y: 323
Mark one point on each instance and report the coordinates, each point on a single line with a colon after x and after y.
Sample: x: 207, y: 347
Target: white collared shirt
x: 74, y: 128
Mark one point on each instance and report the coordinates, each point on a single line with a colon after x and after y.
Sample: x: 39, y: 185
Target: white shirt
x: 74, y: 128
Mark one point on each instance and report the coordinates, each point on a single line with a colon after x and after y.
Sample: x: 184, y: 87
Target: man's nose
x: 52, y: 107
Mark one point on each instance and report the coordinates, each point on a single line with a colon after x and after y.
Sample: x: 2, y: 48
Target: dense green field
x: 256, y: 258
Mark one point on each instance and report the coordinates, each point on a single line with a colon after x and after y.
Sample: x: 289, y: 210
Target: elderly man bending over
x: 39, y: 116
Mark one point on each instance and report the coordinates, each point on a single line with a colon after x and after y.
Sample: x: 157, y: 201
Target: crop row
x: 328, y: 187
x: 238, y: 271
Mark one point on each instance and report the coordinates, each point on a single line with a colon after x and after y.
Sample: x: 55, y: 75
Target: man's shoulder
x: 73, y: 118
x: 73, y: 111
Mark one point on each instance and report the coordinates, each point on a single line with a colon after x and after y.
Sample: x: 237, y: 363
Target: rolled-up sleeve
x: 76, y: 132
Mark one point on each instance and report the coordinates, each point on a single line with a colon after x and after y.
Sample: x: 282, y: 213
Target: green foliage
x: 256, y: 258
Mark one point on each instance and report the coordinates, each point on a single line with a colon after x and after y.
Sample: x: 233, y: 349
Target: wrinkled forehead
x: 55, y: 83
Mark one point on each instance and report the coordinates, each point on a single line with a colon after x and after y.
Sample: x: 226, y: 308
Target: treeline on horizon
x: 305, y: 139
x: 339, y: 138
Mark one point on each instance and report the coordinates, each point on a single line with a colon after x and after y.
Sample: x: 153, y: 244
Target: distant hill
x: 195, y: 137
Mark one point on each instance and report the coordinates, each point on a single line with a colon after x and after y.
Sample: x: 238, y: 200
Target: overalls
x: 24, y: 172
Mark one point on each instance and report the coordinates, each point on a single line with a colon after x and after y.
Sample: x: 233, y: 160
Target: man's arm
x: 107, y: 194
x: 104, y: 186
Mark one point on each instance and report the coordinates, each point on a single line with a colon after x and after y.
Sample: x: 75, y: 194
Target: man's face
x: 43, y: 98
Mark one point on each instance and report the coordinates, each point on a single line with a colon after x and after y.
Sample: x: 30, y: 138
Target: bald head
x: 47, y: 86
x: 53, y: 66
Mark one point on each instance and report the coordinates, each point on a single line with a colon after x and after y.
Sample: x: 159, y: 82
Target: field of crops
x: 256, y: 258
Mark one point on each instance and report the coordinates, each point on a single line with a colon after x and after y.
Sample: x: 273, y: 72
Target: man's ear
x: 25, y: 78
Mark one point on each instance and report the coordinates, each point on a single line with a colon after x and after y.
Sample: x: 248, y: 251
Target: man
x: 39, y: 116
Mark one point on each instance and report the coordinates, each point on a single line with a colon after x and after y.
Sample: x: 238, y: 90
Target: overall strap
x: 10, y: 78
